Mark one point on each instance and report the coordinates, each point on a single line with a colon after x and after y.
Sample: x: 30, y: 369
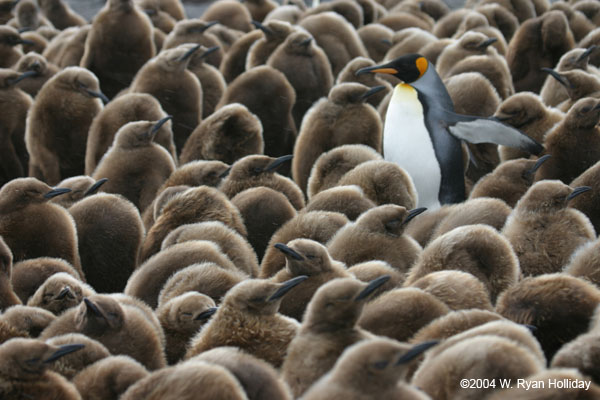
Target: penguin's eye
x: 310, y: 256
x: 258, y: 299
x: 586, y: 109
x: 257, y: 170
x: 187, y: 314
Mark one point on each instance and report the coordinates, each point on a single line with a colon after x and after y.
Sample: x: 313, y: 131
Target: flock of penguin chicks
x: 154, y: 248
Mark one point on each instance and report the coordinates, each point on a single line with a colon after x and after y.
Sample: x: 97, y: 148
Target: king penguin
x: 423, y: 134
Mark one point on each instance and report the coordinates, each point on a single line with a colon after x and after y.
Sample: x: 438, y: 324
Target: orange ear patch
x: 421, y: 65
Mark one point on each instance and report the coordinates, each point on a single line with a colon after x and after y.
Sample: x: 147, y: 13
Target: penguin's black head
x: 407, y: 68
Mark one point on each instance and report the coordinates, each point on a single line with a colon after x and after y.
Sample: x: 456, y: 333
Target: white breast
x: 406, y: 142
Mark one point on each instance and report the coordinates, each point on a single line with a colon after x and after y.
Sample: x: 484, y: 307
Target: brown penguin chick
x: 81, y: 186
x: 258, y: 378
x: 267, y: 93
x: 234, y: 60
x: 433, y: 50
x: 330, y: 166
x: 260, y: 8
x: 135, y: 166
x: 162, y: 198
x: 73, y: 50
x: 109, y: 377
x: 291, y: 12
x: 501, y: 18
x: 329, y: 327
x: 571, y: 385
x: 232, y: 14
x: 306, y: 67
x: 7, y: 295
x: 492, y: 212
x: 198, y: 204
x: 110, y: 235
x: 582, y: 353
x: 122, y: 328
x: 539, y: 42
x: 457, y: 289
x: 16, y: 103
x: 508, y: 181
x: 351, y: 11
x: 348, y: 74
x: 30, y: 320
x: 24, y: 202
x: 56, y: 132
x: 592, y: 38
x: 194, y: 30
x: 473, y: 94
x: 369, y: 270
x: 28, y: 16
x: 230, y: 133
x: 6, y: 10
x: 480, y: 357
x: 578, y: 83
x: 454, y: 323
x: 383, y: 182
x: 33, y: 42
x: 71, y: 364
x: 263, y: 210
x: 146, y: 282
x: 9, y: 39
x: 477, y: 249
x: 178, y: 90
x: 192, y: 379
x: 336, y: 36
x: 197, y: 173
x: 558, y: 305
x: 400, y: 313
x: 30, y: 274
x: 409, y: 40
x: 181, y: 317
x: 590, y: 9
x: 377, y: 40
x: 8, y: 332
x: 543, y: 231
x: 234, y: 245
x: 526, y: 112
x: 385, y: 362
x: 584, y: 263
x: 274, y: 33
x: 341, y: 118
x: 399, y: 20
x: 447, y: 25
x: 348, y: 200
x: 305, y: 257
x: 60, y: 292
x: 378, y: 234
x: 491, y: 67
x: 160, y: 19
x: 319, y: 226
x: 60, y: 14
x: 521, y: 334
x: 43, y: 69
x: 212, y: 81
x: 421, y: 229
x: 523, y: 10
x: 126, y: 108
x: 25, y: 370
x: 470, y: 43
x: 248, y: 318
x: 579, y: 24
x: 116, y: 58
x: 588, y: 204
x: 256, y: 170
x: 553, y: 92
x: 206, y: 278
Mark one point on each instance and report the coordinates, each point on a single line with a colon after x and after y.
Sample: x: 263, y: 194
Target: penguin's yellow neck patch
x: 421, y: 65
x: 406, y: 96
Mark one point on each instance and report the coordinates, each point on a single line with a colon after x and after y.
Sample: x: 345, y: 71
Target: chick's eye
x: 310, y: 256
x: 586, y: 109
x: 380, y: 364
